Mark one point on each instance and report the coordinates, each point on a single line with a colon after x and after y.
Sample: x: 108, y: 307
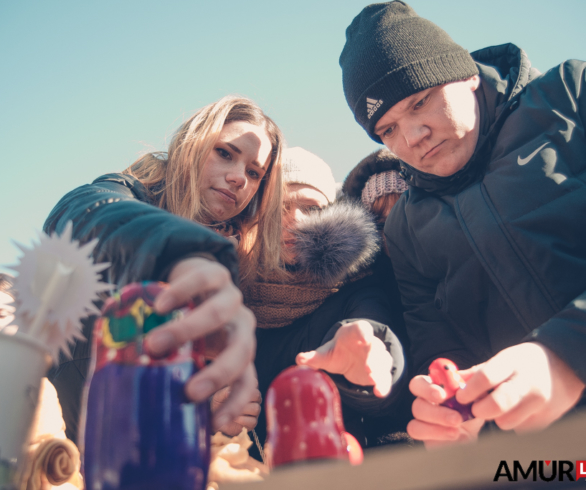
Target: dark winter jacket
x: 328, y: 249
x: 140, y: 241
x: 496, y: 254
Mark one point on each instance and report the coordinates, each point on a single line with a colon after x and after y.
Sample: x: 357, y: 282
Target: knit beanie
x: 303, y: 167
x: 392, y: 53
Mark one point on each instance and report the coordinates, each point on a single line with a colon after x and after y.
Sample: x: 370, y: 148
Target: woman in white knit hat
x: 329, y: 300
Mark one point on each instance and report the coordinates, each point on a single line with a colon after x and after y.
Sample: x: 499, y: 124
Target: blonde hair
x: 173, y: 179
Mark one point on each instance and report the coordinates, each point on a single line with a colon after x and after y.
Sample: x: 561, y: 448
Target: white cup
x: 23, y: 362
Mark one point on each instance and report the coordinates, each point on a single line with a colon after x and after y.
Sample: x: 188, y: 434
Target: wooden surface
x: 472, y: 466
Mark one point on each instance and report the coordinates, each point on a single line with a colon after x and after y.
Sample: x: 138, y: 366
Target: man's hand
x: 221, y: 309
x: 524, y: 387
x: 436, y: 425
x: 247, y: 419
x: 357, y: 354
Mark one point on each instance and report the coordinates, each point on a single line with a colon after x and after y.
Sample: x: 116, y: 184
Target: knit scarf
x: 278, y: 305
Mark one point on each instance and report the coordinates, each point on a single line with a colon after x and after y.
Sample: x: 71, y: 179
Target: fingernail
x: 200, y: 390
x: 160, y: 342
x: 453, y: 419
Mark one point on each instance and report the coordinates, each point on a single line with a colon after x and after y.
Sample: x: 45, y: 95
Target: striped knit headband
x: 382, y: 184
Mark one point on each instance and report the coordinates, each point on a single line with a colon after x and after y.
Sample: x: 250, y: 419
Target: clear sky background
x: 86, y: 86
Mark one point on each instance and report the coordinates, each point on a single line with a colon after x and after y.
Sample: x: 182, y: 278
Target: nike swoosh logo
x: 526, y: 160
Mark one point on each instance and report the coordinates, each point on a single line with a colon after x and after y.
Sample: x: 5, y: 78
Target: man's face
x: 435, y: 130
x: 299, y: 201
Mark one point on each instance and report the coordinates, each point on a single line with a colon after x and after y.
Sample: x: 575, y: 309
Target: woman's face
x: 299, y: 201
x: 234, y: 169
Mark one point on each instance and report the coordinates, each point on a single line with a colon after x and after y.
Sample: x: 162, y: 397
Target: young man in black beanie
x: 488, y: 245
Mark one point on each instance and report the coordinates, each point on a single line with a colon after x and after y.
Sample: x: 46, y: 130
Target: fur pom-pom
x: 335, y: 243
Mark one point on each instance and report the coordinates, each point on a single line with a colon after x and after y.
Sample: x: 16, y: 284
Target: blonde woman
x: 222, y: 170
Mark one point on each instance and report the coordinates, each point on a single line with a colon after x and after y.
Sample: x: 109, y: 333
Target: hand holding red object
x: 523, y: 387
x: 444, y: 373
x: 435, y: 424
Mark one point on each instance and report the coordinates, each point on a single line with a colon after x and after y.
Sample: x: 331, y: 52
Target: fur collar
x: 336, y: 243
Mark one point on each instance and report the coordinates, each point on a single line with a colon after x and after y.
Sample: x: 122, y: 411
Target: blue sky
x: 87, y: 86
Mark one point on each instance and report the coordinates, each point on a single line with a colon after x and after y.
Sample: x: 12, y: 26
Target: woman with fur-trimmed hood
x: 331, y: 313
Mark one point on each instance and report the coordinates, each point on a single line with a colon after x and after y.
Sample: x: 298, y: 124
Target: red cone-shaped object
x: 304, y: 418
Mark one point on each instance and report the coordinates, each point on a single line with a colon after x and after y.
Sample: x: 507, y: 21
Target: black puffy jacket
x: 496, y: 254
x: 140, y: 241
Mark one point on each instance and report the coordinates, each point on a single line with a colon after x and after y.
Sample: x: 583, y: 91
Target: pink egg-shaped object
x: 355, y: 454
x: 304, y: 418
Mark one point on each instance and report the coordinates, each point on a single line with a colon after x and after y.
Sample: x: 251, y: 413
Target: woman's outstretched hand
x: 220, y: 314
x: 356, y: 353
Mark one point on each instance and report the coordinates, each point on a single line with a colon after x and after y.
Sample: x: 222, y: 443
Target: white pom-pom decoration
x: 55, y: 285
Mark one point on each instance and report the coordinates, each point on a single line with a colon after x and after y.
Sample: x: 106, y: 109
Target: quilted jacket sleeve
x: 565, y: 332
x: 139, y: 240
